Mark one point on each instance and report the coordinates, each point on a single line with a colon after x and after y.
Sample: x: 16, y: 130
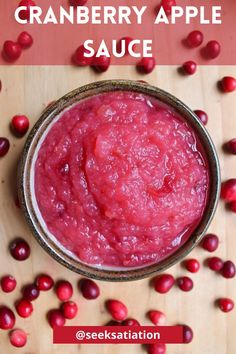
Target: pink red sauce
x: 120, y: 180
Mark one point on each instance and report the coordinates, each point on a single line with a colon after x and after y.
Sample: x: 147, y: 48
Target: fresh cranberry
x: 117, y: 309
x: 113, y: 323
x: 44, y: 282
x: 232, y: 206
x: 228, y: 270
x: 130, y: 322
x: 189, y: 67
x: 127, y: 41
x: 56, y: 318
x: 4, y: 146
x: 215, y: 263
x: 192, y: 265
x: 210, y: 242
x: 89, y: 289
x: 203, y: 117
x: 185, y: 283
x: 163, y: 283
x: 157, y: 348
x: 231, y: 146
x: 69, y: 309
x: 187, y: 334
x: 225, y: 304
x: 8, y: 283
x: 195, y: 39
x: 20, y: 125
x: 18, y: 338
x: 7, y: 318
x: 228, y: 190
x: 158, y: 318
x: 24, y: 308
x: 19, y: 249
x: 30, y: 292
x: 64, y: 290
x: 79, y: 59
x: 11, y: 51
x: 146, y: 65
x: 25, y: 40
x: 77, y: 2
x: 213, y: 49
x: 25, y: 14
x: 101, y: 64
x: 228, y: 84
x: 167, y: 6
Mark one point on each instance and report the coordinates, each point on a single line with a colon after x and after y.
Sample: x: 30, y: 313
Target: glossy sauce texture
x: 120, y: 180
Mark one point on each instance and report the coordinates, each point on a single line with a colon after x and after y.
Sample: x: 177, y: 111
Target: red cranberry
x: 213, y: 49
x: 7, y: 318
x: 195, y: 39
x: 163, y: 283
x: 69, y: 309
x: 192, y: 265
x: 89, y: 289
x: 101, y: 64
x: 228, y: 84
x: 79, y: 59
x: 30, y: 292
x: 203, y: 117
x: 113, y: 323
x: 157, y: 348
x: 130, y: 322
x: 44, y: 282
x: 4, y: 146
x: 210, y: 242
x: 18, y: 338
x: 225, y: 304
x: 231, y: 146
x: 77, y: 2
x: 11, y: 51
x: 64, y: 290
x: 56, y: 318
x: 127, y: 41
x: 158, y: 318
x: 25, y: 14
x: 185, y: 283
x: 228, y: 270
x: 19, y: 249
x: 117, y: 309
x: 187, y: 334
x: 215, y: 263
x: 8, y: 283
x: 146, y: 65
x: 20, y: 125
x: 228, y: 190
x: 167, y: 6
x: 189, y: 67
x: 233, y: 206
x: 24, y: 308
x: 25, y: 40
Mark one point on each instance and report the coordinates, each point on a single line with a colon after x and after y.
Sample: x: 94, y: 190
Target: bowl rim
x: 46, y: 119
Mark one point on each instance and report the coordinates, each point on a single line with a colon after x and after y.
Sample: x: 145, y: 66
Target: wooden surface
x: 28, y: 91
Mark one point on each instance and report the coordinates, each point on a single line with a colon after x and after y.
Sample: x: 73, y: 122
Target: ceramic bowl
x: 28, y: 200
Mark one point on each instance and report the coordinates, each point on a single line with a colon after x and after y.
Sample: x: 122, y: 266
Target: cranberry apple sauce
x: 121, y: 180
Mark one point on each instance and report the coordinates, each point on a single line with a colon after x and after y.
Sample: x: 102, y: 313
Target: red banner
x: 117, y: 334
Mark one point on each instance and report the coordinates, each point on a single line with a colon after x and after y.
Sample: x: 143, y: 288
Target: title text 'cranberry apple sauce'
x: 121, y: 180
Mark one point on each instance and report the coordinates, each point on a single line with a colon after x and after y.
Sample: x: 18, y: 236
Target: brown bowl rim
x: 24, y: 180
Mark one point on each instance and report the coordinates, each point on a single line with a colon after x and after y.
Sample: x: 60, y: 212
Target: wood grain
x: 28, y: 90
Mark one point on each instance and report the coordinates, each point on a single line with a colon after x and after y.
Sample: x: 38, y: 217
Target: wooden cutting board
x: 27, y: 90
